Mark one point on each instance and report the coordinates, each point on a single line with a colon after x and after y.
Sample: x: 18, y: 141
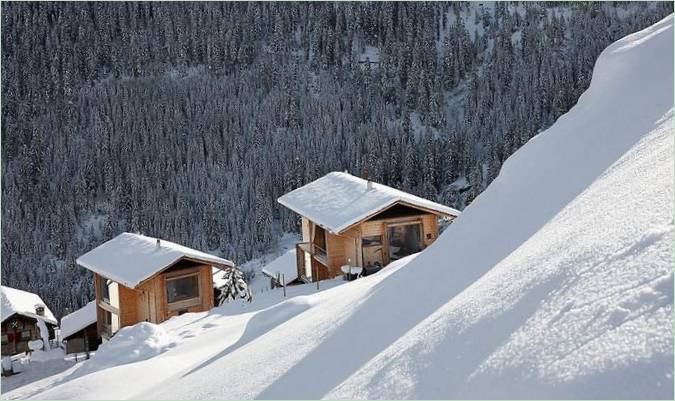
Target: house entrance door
x: 404, y: 239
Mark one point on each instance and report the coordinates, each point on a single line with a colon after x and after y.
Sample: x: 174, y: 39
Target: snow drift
x: 555, y: 283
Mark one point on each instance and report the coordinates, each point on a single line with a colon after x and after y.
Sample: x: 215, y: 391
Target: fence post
x: 283, y: 283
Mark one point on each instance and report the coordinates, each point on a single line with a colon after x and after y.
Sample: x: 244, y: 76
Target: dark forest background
x: 187, y: 120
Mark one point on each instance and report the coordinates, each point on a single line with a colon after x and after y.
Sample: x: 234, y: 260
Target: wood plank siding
x: 347, y: 247
x: 148, y: 301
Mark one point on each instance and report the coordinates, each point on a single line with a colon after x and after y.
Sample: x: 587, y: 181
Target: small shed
x: 283, y: 270
x: 347, y: 220
x: 139, y: 278
x: 22, y: 314
x: 78, y: 330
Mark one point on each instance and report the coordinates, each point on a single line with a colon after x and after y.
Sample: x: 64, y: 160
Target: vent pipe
x: 369, y: 185
x: 158, y: 243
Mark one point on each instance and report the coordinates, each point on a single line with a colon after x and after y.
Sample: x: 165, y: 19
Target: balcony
x: 306, y: 253
x: 317, y: 252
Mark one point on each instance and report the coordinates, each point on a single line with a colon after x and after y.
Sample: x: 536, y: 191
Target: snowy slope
x: 556, y: 282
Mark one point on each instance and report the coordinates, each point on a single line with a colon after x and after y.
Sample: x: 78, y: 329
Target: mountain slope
x: 555, y: 282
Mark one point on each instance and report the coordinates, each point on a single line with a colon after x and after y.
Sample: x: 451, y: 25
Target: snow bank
x: 131, y: 344
x: 578, y: 227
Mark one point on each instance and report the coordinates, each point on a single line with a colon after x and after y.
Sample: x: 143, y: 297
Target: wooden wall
x: 84, y: 340
x: 18, y: 344
x: 147, y: 302
x: 430, y: 229
x: 341, y: 248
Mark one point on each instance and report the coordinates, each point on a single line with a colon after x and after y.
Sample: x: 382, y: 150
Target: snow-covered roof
x: 78, y: 320
x: 130, y: 258
x: 285, y: 264
x: 23, y: 303
x: 338, y: 200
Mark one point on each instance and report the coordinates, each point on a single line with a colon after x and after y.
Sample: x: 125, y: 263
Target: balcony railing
x: 316, y: 251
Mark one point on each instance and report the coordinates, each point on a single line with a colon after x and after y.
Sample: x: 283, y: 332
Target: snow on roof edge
x: 173, y: 253
x: 78, y: 319
x: 410, y: 199
x: 20, y: 302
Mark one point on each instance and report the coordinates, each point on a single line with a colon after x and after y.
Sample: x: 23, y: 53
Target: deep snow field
x: 556, y: 282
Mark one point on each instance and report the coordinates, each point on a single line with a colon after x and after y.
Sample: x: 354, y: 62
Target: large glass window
x: 404, y: 240
x: 372, y: 252
x: 182, y: 288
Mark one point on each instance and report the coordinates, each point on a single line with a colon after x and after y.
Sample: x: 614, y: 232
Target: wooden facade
x: 18, y: 330
x: 372, y: 243
x: 84, y: 340
x: 149, y: 301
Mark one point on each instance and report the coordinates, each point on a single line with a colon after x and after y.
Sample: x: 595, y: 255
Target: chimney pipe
x: 40, y: 310
x: 369, y: 185
x: 158, y: 243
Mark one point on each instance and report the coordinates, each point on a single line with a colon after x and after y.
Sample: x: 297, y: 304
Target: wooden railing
x: 314, y: 250
x: 316, y: 253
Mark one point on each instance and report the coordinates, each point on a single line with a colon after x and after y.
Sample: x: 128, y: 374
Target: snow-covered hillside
x: 555, y: 282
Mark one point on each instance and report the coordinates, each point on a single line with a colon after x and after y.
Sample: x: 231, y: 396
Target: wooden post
x: 283, y: 283
x: 317, y: 278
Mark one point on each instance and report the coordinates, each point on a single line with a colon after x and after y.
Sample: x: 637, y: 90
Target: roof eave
x: 135, y: 284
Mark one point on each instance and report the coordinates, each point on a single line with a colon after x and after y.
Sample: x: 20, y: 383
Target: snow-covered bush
x: 234, y: 286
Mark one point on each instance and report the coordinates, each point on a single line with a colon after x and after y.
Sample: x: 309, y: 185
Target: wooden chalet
x: 349, y: 221
x: 21, y: 313
x: 79, y: 331
x: 139, y: 279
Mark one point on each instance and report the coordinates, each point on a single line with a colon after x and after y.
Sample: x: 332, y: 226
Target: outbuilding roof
x: 338, y: 200
x: 285, y: 264
x: 78, y: 320
x: 18, y: 302
x: 129, y: 259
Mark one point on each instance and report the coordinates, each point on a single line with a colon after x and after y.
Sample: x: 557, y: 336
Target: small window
x: 373, y: 240
x: 105, y: 289
x: 25, y: 335
x: 182, y: 288
x: 5, y: 340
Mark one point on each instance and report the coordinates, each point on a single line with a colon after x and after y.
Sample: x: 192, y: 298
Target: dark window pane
x: 404, y: 240
x: 372, y: 240
x: 182, y: 288
x: 105, y: 289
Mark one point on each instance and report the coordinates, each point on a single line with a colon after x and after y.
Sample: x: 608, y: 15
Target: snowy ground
x: 556, y: 282
x: 38, y: 366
